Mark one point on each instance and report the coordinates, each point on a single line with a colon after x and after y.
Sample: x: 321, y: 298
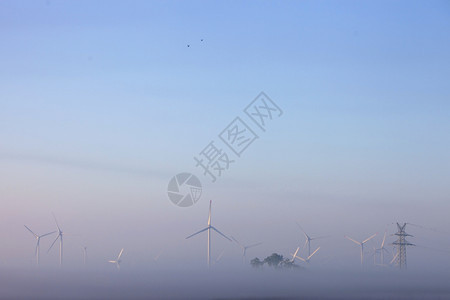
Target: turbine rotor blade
x: 47, y: 234
x: 384, y: 239
x: 295, y: 254
x: 309, y: 257
x: 120, y: 254
x: 209, y: 216
x: 304, y: 233
x: 198, y: 232
x: 254, y: 245
x: 57, y: 225
x: 220, y: 255
x: 221, y: 234
x: 321, y: 237
x: 306, y: 243
x: 394, y: 258
x: 31, y: 231
x: 302, y: 259
x: 368, y: 239
x: 242, y: 246
x: 356, y: 242
x: 53, y: 243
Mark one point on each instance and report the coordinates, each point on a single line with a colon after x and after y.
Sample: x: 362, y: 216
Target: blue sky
x: 363, y: 87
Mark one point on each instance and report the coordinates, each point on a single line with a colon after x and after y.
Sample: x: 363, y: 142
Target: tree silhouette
x: 275, y: 260
x: 256, y: 263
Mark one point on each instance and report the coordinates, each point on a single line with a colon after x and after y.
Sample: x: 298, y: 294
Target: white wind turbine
x: 309, y: 239
x: 60, y: 237
x: 208, y: 228
x: 362, y: 245
x: 117, y: 261
x: 244, y: 248
x: 306, y: 260
x: 382, y: 249
x: 38, y: 240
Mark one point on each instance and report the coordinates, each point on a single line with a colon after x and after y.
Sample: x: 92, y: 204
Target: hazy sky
x: 102, y: 102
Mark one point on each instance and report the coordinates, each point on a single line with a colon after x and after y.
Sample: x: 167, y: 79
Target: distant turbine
x: 208, y: 228
x: 309, y: 239
x: 157, y: 256
x: 38, y: 239
x: 306, y: 260
x: 362, y: 245
x: 382, y: 249
x: 84, y: 255
x: 244, y: 248
x: 60, y: 237
x: 117, y: 261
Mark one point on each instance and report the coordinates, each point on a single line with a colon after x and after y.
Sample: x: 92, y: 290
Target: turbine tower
x: 208, y: 228
x: 401, y: 244
x: 60, y: 237
x: 362, y: 245
x: 244, y: 248
x: 309, y: 239
x: 38, y: 240
x: 117, y: 261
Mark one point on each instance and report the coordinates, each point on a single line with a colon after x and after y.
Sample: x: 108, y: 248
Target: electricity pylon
x: 401, y: 244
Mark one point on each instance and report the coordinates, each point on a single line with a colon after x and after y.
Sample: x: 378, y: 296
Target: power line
x: 434, y: 249
x: 431, y: 229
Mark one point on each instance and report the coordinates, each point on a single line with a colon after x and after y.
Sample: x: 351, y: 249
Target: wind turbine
x: 362, y: 245
x: 117, y: 261
x: 382, y: 249
x: 60, y: 237
x: 244, y: 248
x: 38, y: 239
x: 306, y: 260
x: 309, y: 239
x: 84, y: 254
x: 208, y: 228
x: 157, y: 256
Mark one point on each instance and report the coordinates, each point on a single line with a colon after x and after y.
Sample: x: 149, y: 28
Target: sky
x: 103, y: 102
